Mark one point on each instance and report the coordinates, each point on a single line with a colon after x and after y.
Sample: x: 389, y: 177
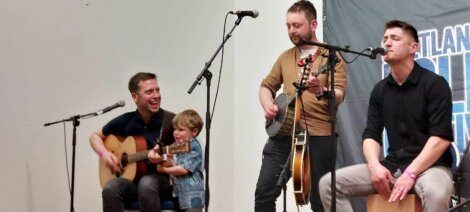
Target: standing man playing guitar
x: 301, y: 25
x: 154, y: 124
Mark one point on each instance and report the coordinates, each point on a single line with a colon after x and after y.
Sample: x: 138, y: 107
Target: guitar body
x: 122, y: 148
x: 283, y: 123
x: 131, y: 153
x: 301, y: 169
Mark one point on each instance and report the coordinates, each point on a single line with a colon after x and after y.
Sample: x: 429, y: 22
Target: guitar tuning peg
x: 311, y: 57
x: 306, y: 60
x: 301, y: 62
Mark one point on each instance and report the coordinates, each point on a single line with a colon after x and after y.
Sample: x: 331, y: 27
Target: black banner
x: 444, y: 33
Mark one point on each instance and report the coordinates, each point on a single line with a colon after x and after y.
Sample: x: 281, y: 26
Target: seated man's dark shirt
x: 411, y: 113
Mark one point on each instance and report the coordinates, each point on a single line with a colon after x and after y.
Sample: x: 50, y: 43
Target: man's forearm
x: 265, y: 97
x: 371, y: 151
x: 432, y: 151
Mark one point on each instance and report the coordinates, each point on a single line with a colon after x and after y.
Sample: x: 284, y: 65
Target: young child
x: 187, y: 167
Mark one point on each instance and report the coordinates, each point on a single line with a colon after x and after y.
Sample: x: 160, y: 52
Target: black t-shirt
x: 132, y: 124
x: 411, y: 113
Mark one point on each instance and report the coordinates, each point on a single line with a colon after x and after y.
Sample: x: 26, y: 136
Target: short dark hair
x: 190, y: 119
x: 408, y: 28
x: 141, y: 76
x: 305, y: 6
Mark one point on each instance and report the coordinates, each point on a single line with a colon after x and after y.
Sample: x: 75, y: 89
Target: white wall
x: 63, y: 58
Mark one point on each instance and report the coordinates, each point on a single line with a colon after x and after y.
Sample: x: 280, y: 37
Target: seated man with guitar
x: 153, y: 124
x: 313, y: 111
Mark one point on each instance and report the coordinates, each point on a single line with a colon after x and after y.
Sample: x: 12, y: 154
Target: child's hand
x: 161, y: 169
x: 167, y: 163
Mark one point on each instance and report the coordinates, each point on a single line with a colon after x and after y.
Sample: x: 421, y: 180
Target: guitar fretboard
x: 143, y: 155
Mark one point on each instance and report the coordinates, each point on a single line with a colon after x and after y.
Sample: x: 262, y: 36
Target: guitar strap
x: 166, y: 132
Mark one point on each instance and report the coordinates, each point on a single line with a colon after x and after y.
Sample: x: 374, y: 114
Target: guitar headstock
x: 306, y: 65
x: 177, y: 148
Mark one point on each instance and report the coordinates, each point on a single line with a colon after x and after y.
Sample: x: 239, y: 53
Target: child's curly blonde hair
x: 190, y: 119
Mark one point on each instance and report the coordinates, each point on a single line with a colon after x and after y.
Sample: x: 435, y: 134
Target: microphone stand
x: 458, y: 181
x: 76, y: 123
x: 208, y: 76
x: 332, y: 60
x: 283, y: 178
x: 460, y: 206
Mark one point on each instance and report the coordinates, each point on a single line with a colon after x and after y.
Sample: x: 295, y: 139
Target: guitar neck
x: 138, y: 156
x: 143, y: 155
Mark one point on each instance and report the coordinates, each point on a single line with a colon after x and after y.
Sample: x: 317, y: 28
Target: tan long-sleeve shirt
x: 285, y: 71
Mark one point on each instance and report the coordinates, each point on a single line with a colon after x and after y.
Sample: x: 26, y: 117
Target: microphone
x: 378, y: 50
x: 112, y: 107
x: 375, y: 51
x: 242, y: 13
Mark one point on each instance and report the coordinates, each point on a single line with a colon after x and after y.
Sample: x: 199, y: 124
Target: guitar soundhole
x: 124, y: 160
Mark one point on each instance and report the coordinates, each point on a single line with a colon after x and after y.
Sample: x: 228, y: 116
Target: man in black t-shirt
x: 154, y: 124
x: 414, y: 105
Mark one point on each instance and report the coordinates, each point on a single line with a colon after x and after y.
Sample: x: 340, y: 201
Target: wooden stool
x: 378, y: 203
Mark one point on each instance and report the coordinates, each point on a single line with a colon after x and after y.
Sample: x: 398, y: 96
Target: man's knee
x: 437, y: 196
x: 148, y: 184
x: 324, y: 185
x: 113, y: 185
x: 112, y: 188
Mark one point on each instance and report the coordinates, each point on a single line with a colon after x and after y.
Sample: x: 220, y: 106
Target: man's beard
x: 297, y: 42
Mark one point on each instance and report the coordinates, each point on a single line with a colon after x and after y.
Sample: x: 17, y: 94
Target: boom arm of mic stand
x: 73, y: 118
x: 209, y: 63
x: 336, y: 48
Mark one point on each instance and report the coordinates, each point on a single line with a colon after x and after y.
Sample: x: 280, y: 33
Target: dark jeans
x: 119, y: 192
x: 275, y: 154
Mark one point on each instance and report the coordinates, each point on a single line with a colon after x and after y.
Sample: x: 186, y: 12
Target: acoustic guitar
x: 131, y: 153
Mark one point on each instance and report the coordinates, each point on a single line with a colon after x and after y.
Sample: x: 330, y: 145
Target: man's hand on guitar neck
x: 314, y: 86
x: 153, y: 155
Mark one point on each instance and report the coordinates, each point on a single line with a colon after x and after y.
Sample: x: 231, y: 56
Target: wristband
x: 101, y: 152
x: 409, y: 174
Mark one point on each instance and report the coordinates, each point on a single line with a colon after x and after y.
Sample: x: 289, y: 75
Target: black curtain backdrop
x: 444, y: 31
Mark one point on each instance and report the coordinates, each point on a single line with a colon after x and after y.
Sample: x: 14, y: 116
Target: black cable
x: 66, y: 158
x: 220, y: 69
x: 327, y: 34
